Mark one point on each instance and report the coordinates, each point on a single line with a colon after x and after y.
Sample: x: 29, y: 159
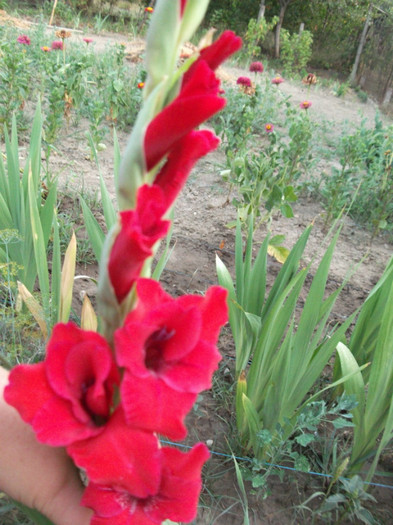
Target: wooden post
x: 367, y: 23
x: 53, y: 12
x: 261, y: 12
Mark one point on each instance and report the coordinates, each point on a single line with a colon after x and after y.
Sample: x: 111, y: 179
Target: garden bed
x: 200, y: 232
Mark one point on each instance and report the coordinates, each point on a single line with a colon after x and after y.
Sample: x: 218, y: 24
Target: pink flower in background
x: 167, y: 348
x: 24, y: 39
x: 46, y: 49
x: 269, y: 128
x: 140, y: 230
x: 176, y: 498
x: 57, y: 44
x: 256, y: 67
x: 244, y: 81
x: 277, y: 80
x: 305, y: 104
x: 88, y: 40
x: 67, y: 397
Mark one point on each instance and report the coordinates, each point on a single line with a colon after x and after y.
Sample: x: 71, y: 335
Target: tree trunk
x: 261, y: 12
x: 278, y: 30
x: 359, y: 51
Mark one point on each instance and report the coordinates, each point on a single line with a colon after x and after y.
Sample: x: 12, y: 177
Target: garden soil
x: 199, y: 234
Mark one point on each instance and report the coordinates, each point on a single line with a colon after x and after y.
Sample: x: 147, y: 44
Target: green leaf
x: 34, y: 515
x: 39, y: 248
x: 305, y: 439
x: 94, y: 231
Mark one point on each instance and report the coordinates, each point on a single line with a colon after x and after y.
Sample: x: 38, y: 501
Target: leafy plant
x: 268, y: 177
x: 25, y: 206
x: 348, y: 502
x: 363, y: 185
x: 278, y: 360
x: 296, y: 50
x: 14, y: 81
x: 372, y: 340
x: 300, y: 449
x: 256, y: 33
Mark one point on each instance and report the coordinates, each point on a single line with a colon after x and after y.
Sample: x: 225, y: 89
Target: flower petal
x: 127, y: 457
x: 161, y: 409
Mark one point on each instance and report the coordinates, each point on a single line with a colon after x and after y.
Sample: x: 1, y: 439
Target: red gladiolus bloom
x: 244, y: 81
x: 57, y: 44
x: 256, y: 67
x: 176, y: 499
x: 24, y: 39
x: 168, y: 350
x: 197, y: 101
x: 269, y: 128
x: 181, y: 159
x: 127, y: 457
x: 67, y: 397
x: 305, y: 104
x: 140, y: 230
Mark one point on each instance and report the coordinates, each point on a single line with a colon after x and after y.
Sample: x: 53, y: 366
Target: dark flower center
x: 154, y: 349
x: 97, y: 419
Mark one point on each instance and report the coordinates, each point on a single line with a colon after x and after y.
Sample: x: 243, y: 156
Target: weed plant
x: 72, y: 83
x: 363, y: 184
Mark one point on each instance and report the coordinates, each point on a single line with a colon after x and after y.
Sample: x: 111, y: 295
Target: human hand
x: 40, y: 477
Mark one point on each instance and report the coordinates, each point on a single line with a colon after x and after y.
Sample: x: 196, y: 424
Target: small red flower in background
x: 149, y: 9
x: 24, y: 39
x: 140, y: 85
x: 140, y: 230
x: 256, y: 67
x: 244, y: 81
x: 277, y: 80
x: 176, y: 498
x: 67, y: 397
x: 88, y: 40
x: 269, y: 128
x: 167, y: 348
x: 46, y: 49
x: 57, y: 44
x: 305, y: 104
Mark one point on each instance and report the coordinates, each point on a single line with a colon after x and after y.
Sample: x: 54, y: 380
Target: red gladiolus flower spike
x: 176, y: 498
x: 140, y: 230
x: 197, y: 101
x: 167, y: 348
x: 181, y: 159
x: 72, y: 387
